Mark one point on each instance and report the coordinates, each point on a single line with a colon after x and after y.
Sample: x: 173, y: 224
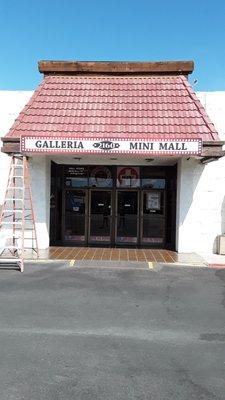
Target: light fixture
x: 77, y: 158
x: 149, y: 159
x: 113, y: 159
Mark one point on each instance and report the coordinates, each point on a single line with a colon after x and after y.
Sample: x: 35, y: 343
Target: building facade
x: 122, y: 154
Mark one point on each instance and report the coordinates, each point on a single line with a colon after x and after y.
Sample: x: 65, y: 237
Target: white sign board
x: 59, y: 145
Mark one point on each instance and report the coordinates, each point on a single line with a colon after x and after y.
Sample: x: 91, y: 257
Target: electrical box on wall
x: 221, y: 244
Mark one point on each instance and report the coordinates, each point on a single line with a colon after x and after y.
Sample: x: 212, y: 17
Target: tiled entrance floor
x: 116, y: 254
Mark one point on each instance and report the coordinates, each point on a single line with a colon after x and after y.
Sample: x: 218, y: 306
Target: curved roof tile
x: 111, y: 106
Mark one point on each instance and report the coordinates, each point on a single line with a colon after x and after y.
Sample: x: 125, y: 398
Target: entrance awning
x: 147, y: 108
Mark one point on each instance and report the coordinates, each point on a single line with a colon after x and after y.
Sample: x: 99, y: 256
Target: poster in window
x: 153, y: 201
x: 128, y: 177
x: 76, y: 176
x: 101, y: 176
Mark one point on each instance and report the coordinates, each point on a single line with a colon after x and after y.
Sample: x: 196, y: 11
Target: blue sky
x: 142, y: 30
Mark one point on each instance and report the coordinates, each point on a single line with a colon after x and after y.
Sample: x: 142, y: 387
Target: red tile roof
x: 114, y: 106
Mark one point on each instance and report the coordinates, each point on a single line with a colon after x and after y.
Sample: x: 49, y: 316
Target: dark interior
x: 132, y: 206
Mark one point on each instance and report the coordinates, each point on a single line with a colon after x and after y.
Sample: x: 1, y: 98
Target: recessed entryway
x: 113, y: 206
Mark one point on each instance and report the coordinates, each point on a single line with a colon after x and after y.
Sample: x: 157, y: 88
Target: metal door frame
x: 137, y: 190
x: 163, y: 193
x: 71, y: 242
x: 110, y: 190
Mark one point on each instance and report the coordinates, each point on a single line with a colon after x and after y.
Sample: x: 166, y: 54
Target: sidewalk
x: 122, y: 256
x: 213, y: 260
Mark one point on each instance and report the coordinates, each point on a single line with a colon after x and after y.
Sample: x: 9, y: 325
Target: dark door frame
x: 70, y: 242
x: 111, y: 219
x: 163, y: 193
x: 136, y: 190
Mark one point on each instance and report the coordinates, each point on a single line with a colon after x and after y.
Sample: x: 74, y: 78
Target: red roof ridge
x: 149, y: 105
x: 200, y: 107
x: 55, y: 76
x: 22, y: 113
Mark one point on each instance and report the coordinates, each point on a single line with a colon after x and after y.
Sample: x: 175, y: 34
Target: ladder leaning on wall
x: 17, y: 219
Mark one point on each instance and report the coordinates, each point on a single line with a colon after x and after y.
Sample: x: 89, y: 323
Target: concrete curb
x: 216, y: 266
x: 117, y: 264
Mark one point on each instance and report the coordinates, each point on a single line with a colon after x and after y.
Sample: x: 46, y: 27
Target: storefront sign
x: 59, y: 145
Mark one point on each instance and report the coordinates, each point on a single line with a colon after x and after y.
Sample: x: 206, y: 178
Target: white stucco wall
x: 201, y: 189
x: 39, y: 168
x: 11, y: 103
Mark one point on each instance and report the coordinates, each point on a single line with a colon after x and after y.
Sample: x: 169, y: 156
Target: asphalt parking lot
x: 112, y: 333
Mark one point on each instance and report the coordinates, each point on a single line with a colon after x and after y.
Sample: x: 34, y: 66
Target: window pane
x: 100, y: 219
x: 149, y: 183
x: 128, y: 177
x: 127, y: 212
x: 101, y: 176
x: 76, y: 176
x: 75, y: 204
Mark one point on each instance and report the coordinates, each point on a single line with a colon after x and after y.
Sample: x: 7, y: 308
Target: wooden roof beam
x: 116, y: 67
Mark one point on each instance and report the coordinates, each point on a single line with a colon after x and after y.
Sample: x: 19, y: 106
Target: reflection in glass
x: 153, y: 183
x: 153, y: 218
x: 128, y: 177
x: 101, y: 177
x: 127, y: 208
x: 75, y: 215
x: 76, y: 176
x: 100, y: 218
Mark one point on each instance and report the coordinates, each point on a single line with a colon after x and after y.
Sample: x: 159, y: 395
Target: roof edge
x: 116, y: 67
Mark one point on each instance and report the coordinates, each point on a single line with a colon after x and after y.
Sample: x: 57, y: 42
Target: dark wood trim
x: 214, y: 143
x: 11, y: 148
x: 207, y: 160
x: 10, y: 139
x: 10, y: 145
x: 213, y: 149
x: 158, y: 67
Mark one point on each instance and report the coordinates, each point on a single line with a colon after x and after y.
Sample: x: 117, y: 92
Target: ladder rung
x: 11, y: 223
x: 26, y: 217
x: 12, y: 199
x: 14, y: 187
x: 25, y: 238
x: 17, y: 176
x: 10, y: 247
x: 13, y: 211
x: 24, y: 232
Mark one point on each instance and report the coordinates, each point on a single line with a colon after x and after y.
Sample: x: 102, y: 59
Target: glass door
x: 127, y: 217
x: 100, y: 216
x: 75, y: 216
x: 153, y: 218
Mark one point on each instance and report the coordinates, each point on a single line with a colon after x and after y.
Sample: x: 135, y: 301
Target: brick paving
x: 116, y: 254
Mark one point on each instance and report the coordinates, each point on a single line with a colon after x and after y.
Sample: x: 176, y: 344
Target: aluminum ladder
x: 17, y: 220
